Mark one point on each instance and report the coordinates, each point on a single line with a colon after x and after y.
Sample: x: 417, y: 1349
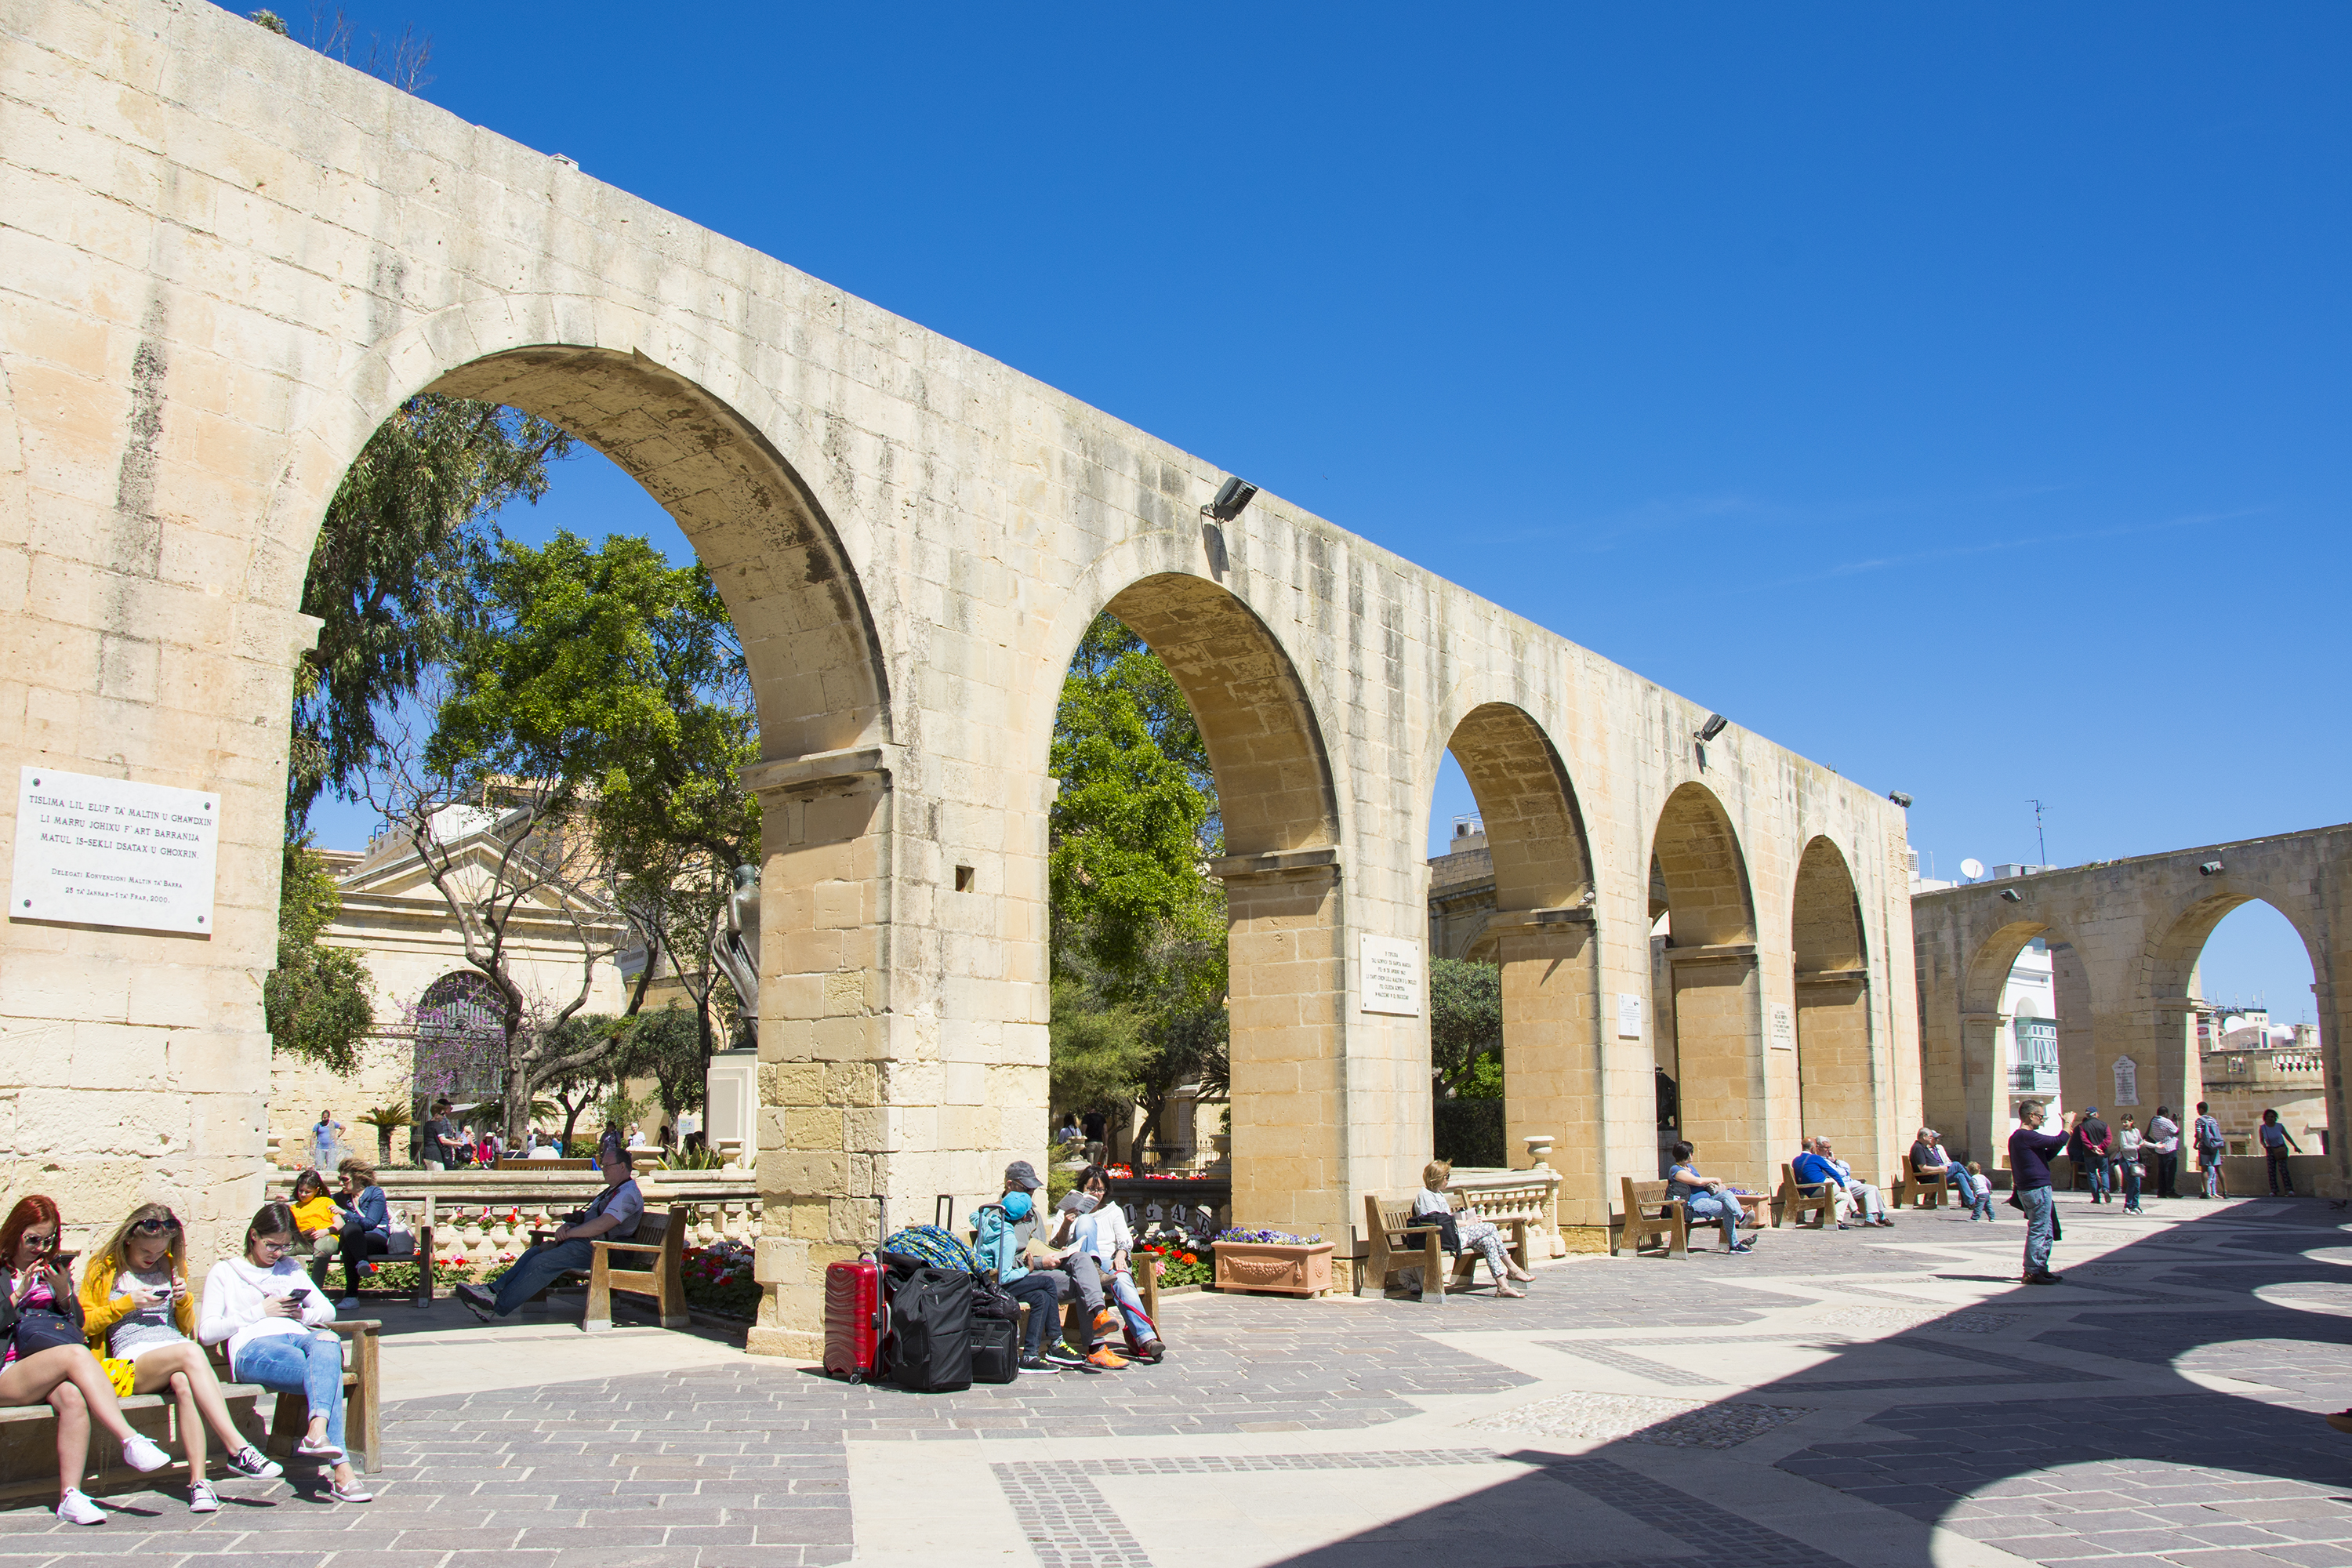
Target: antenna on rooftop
x: 2041, y: 839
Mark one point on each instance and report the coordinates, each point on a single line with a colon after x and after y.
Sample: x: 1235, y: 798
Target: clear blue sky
x: 1957, y: 396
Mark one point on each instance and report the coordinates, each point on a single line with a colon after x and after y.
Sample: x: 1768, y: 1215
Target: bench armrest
x: 625, y: 1245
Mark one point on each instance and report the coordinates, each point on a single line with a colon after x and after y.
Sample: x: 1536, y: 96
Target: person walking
x: 2276, y: 1140
x: 2096, y: 1141
x: 2206, y: 1133
x: 324, y: 1137
x: 2164, y: 1137
x: 2030, y: 1149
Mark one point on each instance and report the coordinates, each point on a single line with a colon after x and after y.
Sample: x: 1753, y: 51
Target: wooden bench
x: 1799, y: 1199
x: 1912, y: 1190
x: 362, y: 1397
x: 656, y: 1257
x: 28, y: 1446
x: 1396, y: 1244
x: 1652, y: 1218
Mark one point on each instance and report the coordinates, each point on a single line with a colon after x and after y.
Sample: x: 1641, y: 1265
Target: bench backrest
x: 1643, y: 1199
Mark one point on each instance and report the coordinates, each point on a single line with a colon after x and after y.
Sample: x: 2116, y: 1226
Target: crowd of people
x: 133, y: 1326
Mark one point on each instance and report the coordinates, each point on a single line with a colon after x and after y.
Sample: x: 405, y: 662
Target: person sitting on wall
x: 612, y: 1215
x: 366, y: 1226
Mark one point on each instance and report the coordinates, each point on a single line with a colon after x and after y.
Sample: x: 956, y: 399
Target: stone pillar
x: 826, y: 1052
x: 1984, y: 1094
x: 1288, y: 987
x: 1837, y: 1074
x: 1719, y: 1038
x: 1552, y: 1050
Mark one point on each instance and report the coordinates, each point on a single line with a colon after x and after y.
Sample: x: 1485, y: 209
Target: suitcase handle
x: 943, y: 1213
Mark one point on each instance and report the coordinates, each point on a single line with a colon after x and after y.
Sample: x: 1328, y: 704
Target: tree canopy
x: 316, y: 1000
x: 1465, y: 1028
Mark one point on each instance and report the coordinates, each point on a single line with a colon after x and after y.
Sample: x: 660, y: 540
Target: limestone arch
x: 1838, y: 1088
x: 1988, y: 1082
x: 2159, y: 1002
x: 696, y: 430
x: 1281, y: 872
x: 1713, y: 997
x: 1540, y: 936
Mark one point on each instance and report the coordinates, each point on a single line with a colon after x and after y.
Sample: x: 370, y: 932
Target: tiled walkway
x: 1875, y: 1398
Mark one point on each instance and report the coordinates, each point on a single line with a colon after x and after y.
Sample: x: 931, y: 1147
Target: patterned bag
x: 933, y: 1245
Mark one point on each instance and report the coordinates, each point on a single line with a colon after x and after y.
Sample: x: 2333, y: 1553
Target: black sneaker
x: 1064, y: 1358
x: 478, y: 1301
x: 2044, y: 1279
x: 251, y: 1461
x: 1036, y: 1364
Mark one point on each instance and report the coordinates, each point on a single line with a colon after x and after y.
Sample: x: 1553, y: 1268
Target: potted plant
x: 386, y: 1120
x: 1273, y: 1260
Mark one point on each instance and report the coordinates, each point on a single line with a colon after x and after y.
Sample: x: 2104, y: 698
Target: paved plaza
x: 1880, y: 1398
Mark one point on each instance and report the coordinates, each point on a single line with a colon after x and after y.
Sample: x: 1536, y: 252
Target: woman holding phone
x: 135, y: 1303
x: 264, y: 1306
x: 46, y: 1361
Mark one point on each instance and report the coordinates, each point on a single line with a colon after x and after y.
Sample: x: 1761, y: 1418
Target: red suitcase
x: 854, y: 1318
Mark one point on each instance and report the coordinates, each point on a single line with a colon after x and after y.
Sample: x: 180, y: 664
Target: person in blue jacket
x: 1000, y: 1234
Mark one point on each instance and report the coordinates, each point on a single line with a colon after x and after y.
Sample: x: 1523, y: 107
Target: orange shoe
x: 1105, y: 1322
x: 1108, y: 1358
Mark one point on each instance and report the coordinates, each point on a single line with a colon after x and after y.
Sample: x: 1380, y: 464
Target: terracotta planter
x: 1287, y: 1270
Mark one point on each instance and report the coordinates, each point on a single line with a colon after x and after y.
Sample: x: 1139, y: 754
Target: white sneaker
x: 76, y: 1509
x: 202, y: 1498
x: 142, y: 1455
x: 347, y: 1304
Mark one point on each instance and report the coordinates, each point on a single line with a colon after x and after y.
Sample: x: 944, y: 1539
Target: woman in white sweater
x: 265, y: 1306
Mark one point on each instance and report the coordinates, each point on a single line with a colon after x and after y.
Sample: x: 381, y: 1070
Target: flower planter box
x: 1289, y: 1270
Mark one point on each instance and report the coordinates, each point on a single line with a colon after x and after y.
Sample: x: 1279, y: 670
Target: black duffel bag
x: 930, y: 1332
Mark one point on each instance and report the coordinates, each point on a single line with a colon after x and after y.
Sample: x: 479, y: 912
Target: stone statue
x: 736, y: 949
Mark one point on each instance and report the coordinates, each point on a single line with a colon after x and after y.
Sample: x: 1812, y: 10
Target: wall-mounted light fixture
x: 1899, y: 798
x: 1231, y: 496
x: 2012, y: 895
x: 2211, y: 868
x: 1714, y: 725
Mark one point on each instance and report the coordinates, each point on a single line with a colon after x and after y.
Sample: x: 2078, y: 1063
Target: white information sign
x: 1629, y: 1016
x: 103, y: 852
x: 1391, y: 976
x: 2126, y: 1081
x: 1784, y: 1027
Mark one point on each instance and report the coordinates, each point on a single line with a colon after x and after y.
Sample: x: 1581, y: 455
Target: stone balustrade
x: 1503, y: 1195
x: 483, y: 1217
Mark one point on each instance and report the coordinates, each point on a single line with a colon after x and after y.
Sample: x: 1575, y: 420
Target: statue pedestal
x: 731, y: 1113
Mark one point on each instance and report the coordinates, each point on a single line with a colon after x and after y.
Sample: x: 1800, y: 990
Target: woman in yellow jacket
x: 137, y: 1306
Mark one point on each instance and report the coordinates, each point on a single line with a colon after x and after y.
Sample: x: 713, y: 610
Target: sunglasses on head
x: 167, y: 1225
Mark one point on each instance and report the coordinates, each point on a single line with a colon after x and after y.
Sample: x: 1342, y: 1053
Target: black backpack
x: 930, y: 1331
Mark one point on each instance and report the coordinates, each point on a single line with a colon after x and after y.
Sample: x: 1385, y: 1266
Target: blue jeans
x: 2038, y: 1227
x: 2096, y: 1167
x: 1040, y: 1290
x: 2127, y: 1173
x: 540, y: 1266
x: 1710, y: 1205
x: 310, y: 1364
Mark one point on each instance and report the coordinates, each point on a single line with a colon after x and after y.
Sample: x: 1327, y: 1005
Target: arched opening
x: 1705, y: 991
x: 1273, y: 847
x: 2026, y: 1028
x: 815, y: 684
x: 2235, y: 1020
x: 1532, y: 921
x: 1837, y: 1077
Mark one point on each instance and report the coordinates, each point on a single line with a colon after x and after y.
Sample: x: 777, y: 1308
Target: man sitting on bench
x: 1817, y: 1166
x: 612, y: 1218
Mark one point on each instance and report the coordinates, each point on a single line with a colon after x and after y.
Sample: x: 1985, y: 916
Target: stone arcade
x: 227, y: 259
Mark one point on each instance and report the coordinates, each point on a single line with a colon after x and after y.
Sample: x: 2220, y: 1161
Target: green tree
x: 1465, y: 1028
x: 600, y: 693
x: 1097, y: 1052
x: 316, y: 1001
x: 391, y: 576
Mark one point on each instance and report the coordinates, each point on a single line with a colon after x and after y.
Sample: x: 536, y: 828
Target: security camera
x: 1899, y: 798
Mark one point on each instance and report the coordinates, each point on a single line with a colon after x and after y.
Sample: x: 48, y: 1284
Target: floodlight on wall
x: 1231, y: 496
x: 1714, y: 725
x: 1899, y: 798
x: 2210, y: 869
x: 2012, y: 895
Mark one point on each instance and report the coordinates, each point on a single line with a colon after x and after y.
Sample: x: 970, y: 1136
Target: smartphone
x: 66, y: 1256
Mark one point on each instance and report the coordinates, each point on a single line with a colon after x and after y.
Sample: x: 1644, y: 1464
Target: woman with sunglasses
x: 134, y: 1302
x: 266, y: 1308
x: 45, y: 1360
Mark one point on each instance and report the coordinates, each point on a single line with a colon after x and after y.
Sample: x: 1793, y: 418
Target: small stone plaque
x: 100, y: 851
x: 1391, y: 976
x: 1629, y: 1016
x: 1783, y: 1027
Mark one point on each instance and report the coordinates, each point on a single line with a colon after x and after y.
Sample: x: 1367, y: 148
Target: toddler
x: 1981, y: 1209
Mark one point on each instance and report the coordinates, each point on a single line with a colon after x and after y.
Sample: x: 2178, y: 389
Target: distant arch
x: 1838, y: 1088
x: 1709, y: 986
